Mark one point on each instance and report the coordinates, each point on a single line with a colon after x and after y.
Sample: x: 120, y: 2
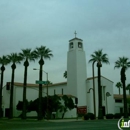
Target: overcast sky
x: 101, y: 24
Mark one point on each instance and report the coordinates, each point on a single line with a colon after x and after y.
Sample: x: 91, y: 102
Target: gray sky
x: 101, y: 24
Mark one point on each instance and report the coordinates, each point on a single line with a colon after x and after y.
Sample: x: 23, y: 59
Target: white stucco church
x: 78, y: 85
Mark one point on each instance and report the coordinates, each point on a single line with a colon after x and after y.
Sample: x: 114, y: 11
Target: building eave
x: 117, y: 96
x: 75, y: 39
x: 37, y: 85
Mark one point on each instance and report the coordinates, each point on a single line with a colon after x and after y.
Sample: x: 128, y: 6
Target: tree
x: 27, y: 55
x: 54, y: 105
x: 124, y: 64
x: 68, y: 105
x: 128, y: 88
x: 119, y: 85
x: 19, y: 107
x: 14, y: 58
x: 65, y: 74
x: 42, y: 53
x: 100, y: 58
x: 3, y: 61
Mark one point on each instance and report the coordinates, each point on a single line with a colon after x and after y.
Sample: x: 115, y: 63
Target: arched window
x: 71, y: 45
x: 79, y: 45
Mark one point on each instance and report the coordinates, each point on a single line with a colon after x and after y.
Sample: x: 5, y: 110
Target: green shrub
x: 117, y: 115
x: 89, y: 116
x: 86, y: 117
x: 109, y: 116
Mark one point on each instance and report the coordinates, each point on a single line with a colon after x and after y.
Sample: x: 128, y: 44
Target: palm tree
x: 128, y: 88
x: 124, y: 64
x: 65, y: 74
x: 14, y: 58
x: 100, y: 58
x: 3, y: 61
x: 42, y: 53
x: 119, y: 85
x: 27, y: 55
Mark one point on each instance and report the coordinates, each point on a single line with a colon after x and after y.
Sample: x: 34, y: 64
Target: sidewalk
x: 65, y: 120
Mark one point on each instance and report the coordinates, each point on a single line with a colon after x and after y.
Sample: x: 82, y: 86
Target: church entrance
x: 6, y: 112
x: 103, y: 110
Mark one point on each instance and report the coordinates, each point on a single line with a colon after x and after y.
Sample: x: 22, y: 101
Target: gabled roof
x: 90, y: 78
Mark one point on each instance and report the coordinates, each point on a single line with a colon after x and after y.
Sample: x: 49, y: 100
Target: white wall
x: 32, y: 94
x: 6, y: 98
x: 117, y: 107
x: 108, y: 88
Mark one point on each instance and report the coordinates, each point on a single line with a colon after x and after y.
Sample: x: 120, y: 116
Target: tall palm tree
x: 27, y: 55
x: 124, y: 64
x: 3, y: 61
x: 65, y: 74
x: 119, y: 85
x: 14, y: 58
x: 128, y: 88
x: 100, y: 58
x: 42, y: 53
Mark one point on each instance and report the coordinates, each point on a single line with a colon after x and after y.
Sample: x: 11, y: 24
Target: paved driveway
x: 18, y: 124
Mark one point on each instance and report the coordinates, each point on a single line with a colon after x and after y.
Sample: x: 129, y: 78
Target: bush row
x: 89, y: 116
x: 108, y: 116
x: 115, y: 116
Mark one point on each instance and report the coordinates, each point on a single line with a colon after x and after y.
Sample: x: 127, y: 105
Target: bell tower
x: 76, y: 71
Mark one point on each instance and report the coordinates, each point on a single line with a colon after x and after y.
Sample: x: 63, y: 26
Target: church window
x: 79, y: 44
x: 62, y: 91
x: 54, y: 91
x: 118, y: 100
x: 71, y: 45
x: 104, y: 92
x: 7, y: 86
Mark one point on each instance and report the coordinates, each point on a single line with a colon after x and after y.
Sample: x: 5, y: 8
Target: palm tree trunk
x: 2, y: 75
x: 119, y: 91
x: 40, y: 113
x: 26, y: 64
x: 100, y: 114
x: 125, y: 101
x: 123, y: 78
x: 11, y: 91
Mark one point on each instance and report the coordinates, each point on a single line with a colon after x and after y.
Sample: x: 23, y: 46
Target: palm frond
x: 4, y: 60
x: 128, y: 87
x: 98, y: 56
x: 119, y: 85
x: 122, y: 62
x: 15, y: 58
x: 43, y: 52
x: 28, y: 54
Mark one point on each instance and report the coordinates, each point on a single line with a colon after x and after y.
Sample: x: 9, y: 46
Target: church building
x: 78, y: 86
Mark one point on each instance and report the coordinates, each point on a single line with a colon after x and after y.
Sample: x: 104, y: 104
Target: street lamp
x: 89, y: 90
x: 47, y: 88
x: 107, y: 95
